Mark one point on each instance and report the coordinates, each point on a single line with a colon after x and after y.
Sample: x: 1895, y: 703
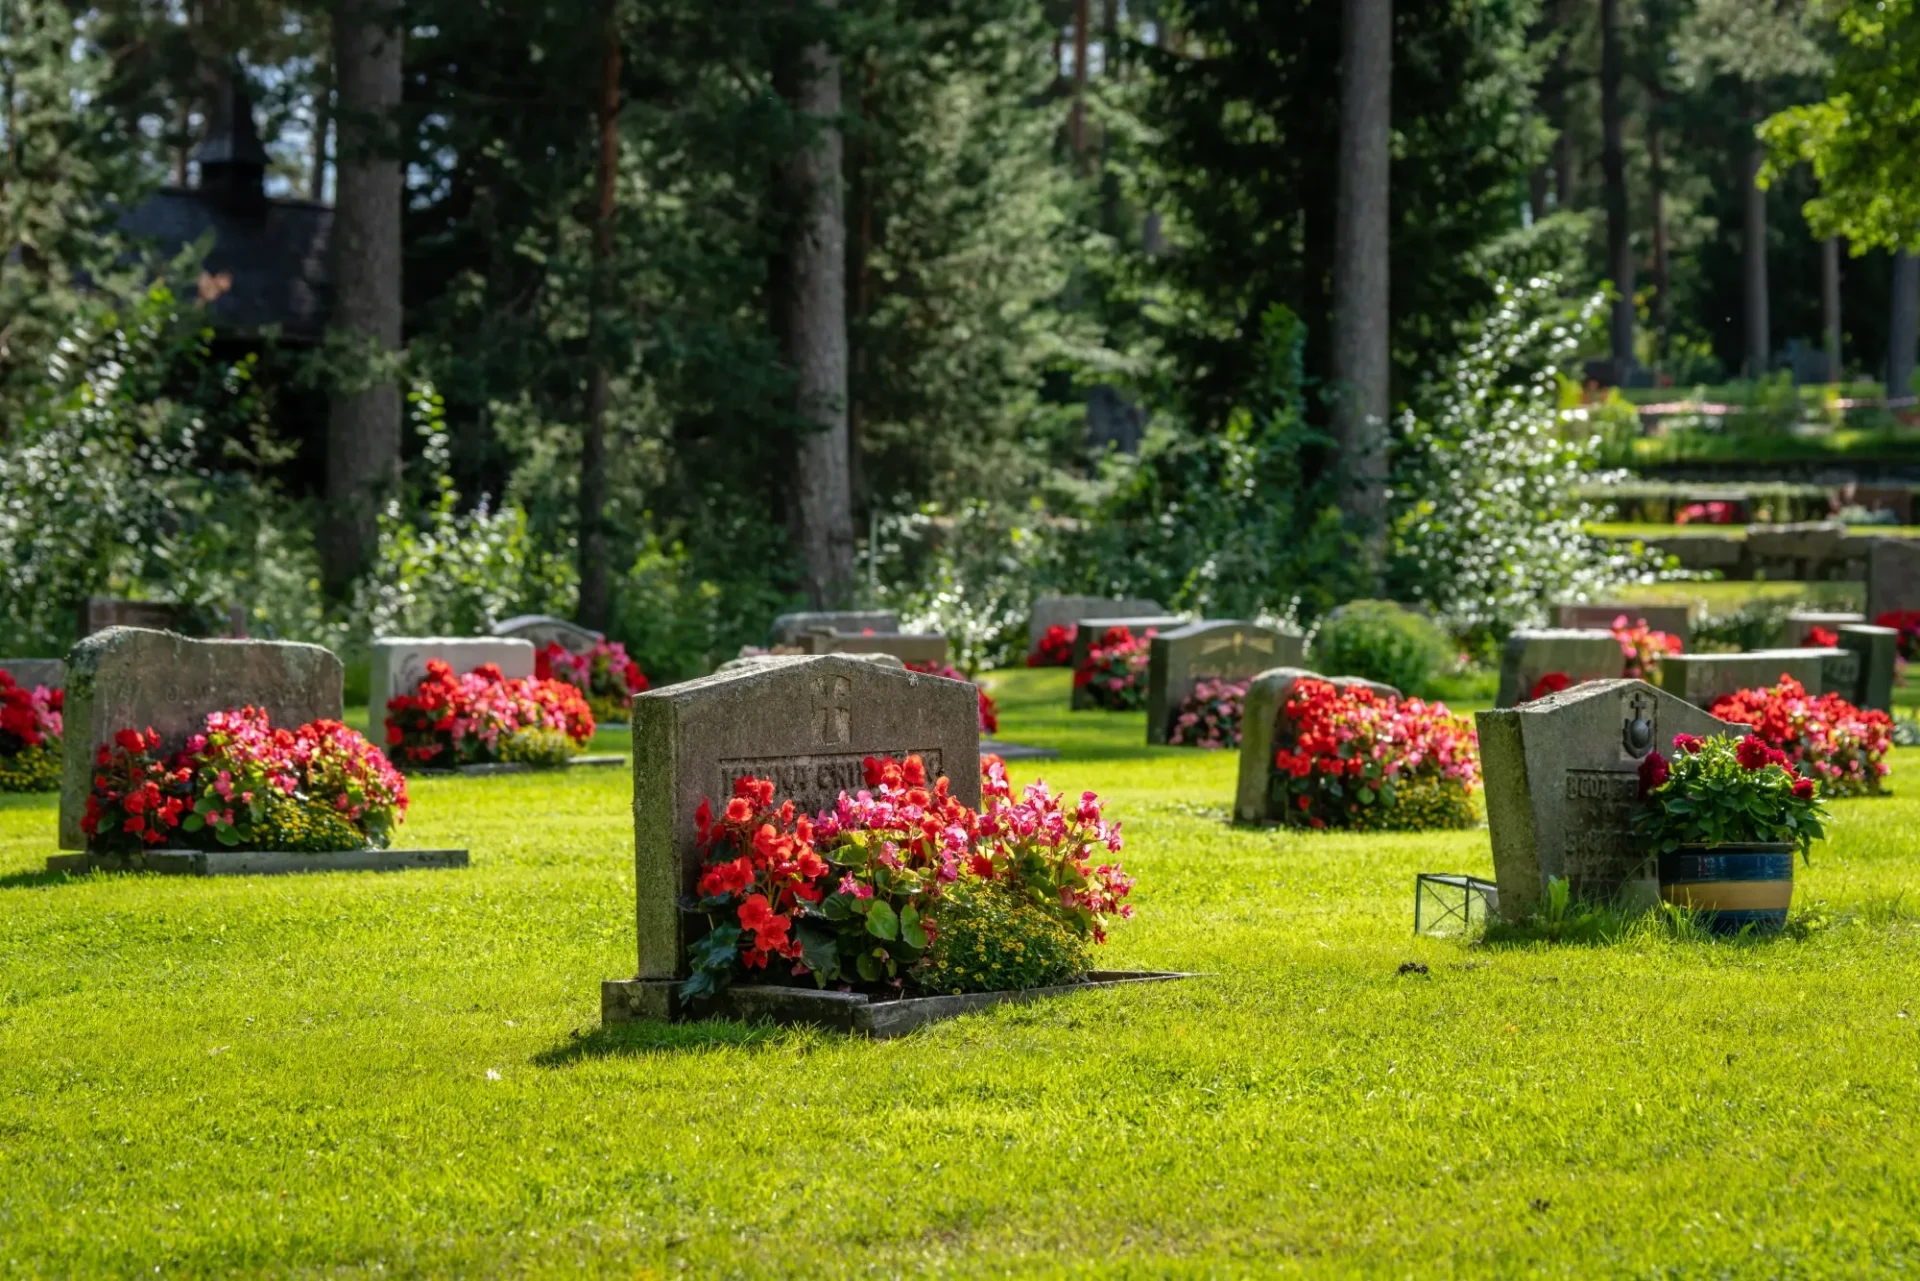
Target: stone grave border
x: 635, y: 1000
x: 225, y: 862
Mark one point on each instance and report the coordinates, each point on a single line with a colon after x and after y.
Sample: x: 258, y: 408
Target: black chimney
x: 233, y: 164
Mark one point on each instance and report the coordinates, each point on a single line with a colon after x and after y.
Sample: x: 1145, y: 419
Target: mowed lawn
x: 405, y: 1073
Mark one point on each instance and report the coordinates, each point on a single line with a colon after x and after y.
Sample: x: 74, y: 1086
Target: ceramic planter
x: 1732, y: 886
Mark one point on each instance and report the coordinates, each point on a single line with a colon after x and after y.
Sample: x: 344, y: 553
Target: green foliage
x: 1385, y: 642
x: 1711, y: 796
x: 1490, y: 527
x: 31, y: 769
x: 970, y: 575
x: 993, y: 939
x: 1756, y: 624
x: 302, y: 825
x: 541, y: 748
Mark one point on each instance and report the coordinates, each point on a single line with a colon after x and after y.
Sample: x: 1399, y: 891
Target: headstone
x: 1562, y: 779
x: 97, y: 613
x: 807, y: 723
x: 788, y: 628
x: 544, y: 629
x: 400, y: 664
x: 133, y: 678
x: 1064, y: 611
x: 1701, y: 678
x: 29, y: 673
x: 1675, y: 620
x: 1090, y: 630
x: 905, y: 646
x: 1877, y: 648
x: 1794, y: 550
x: 1579, y: 654
x: 1893, y: 576
x: 1800, y: 625
x: 1262, y: 733
x: 1221, y: 649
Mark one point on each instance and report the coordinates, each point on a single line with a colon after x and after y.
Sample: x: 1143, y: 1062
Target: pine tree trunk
x: 1903, y: 327
x: 814, y: 330
x: 363, y: 429
x: 1613, y: 165
x: 1754, y: 255
x: 1360, y: 277
x: 1830, y: 303
x: 594, y: 604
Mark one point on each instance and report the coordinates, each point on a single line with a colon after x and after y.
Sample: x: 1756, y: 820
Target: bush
x: 540, y: 748
x: 1356, y: 760
x: 1827, y: 738
x: 991, y: 939
x: 1210, y: 715
x: 1383, y: 642
x: 31, y: 769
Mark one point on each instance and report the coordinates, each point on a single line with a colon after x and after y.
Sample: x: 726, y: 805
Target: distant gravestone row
x: 1675, y: 620
x: 787, y: 629
x: 1860, y: 670
x: 1064, y: 611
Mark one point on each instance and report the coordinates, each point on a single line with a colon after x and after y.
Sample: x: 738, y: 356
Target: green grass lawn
x: 405, y: 1073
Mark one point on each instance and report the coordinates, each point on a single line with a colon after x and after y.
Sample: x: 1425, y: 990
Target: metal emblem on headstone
x: 1638, y: 735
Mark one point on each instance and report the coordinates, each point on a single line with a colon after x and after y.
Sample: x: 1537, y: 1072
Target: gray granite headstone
x: 400, y: 664
x: 1263, y: 731
x: 1801, y: 623
x: 1562, y: 779
x: 30, y: 673
x: 132, y: 678
x: 1578, y: 653
x: 1089, y: 631
x: 544, y: 629
x: 807, y: 723
x: 1893, y: 576
x: 1675, y: 620
x: 1877, y: 648
x: 1701, y: 678
x: 905, y: 646
x: 1794, y: 550
x: 789, y: 628
x: 1064, y: 611
x: 1228, y: 650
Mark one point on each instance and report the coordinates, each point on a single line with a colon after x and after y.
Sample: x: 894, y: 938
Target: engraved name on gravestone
x: 1264, y: 729
x: 805, y: 722
x: 1224, y: 648
x: 132, y: 678
x: 1579, y: 654
x: 1561, y: 781
x: 400, y: 664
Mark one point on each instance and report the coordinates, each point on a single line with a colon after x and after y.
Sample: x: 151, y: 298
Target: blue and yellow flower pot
x: 1732, y: 886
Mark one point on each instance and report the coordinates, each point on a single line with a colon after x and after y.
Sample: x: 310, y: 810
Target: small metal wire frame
x: 1446, y: 903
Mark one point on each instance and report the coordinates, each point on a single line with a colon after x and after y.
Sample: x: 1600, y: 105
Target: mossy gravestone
x: 132, y: 678
x: 1179, y: 659
x: 807, y: 723
x: 1579, y: 654
x: 1264, y: 731
x: 1562, y: 779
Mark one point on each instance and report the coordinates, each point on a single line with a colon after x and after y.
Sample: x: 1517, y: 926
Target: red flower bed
x: 1210, y: 716
x: 989, y: 710
x: 243, y: 782
x: 1642, y: 648
x: 1821, y: 638
x: 1055, y: 648
x: 1359, y: 759
x: 28, y: 717
x: 1114, y: 672
x: 472, y: 719
x: 1825, y: 738
x: 605, y: 674
x: 854, y: 894
x: 1713, y: 513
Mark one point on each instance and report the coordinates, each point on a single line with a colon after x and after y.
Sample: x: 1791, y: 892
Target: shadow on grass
x: 33, y: 880
x: 654, y: 1036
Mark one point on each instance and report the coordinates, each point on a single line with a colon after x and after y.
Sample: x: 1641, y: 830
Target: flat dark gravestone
x: 1223, y: 649
x: 1562, y: 777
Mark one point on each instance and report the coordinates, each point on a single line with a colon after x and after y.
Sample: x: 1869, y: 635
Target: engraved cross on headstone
x: 832, y: 710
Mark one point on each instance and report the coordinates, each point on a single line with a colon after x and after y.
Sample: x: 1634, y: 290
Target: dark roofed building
x: 268, y: 260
